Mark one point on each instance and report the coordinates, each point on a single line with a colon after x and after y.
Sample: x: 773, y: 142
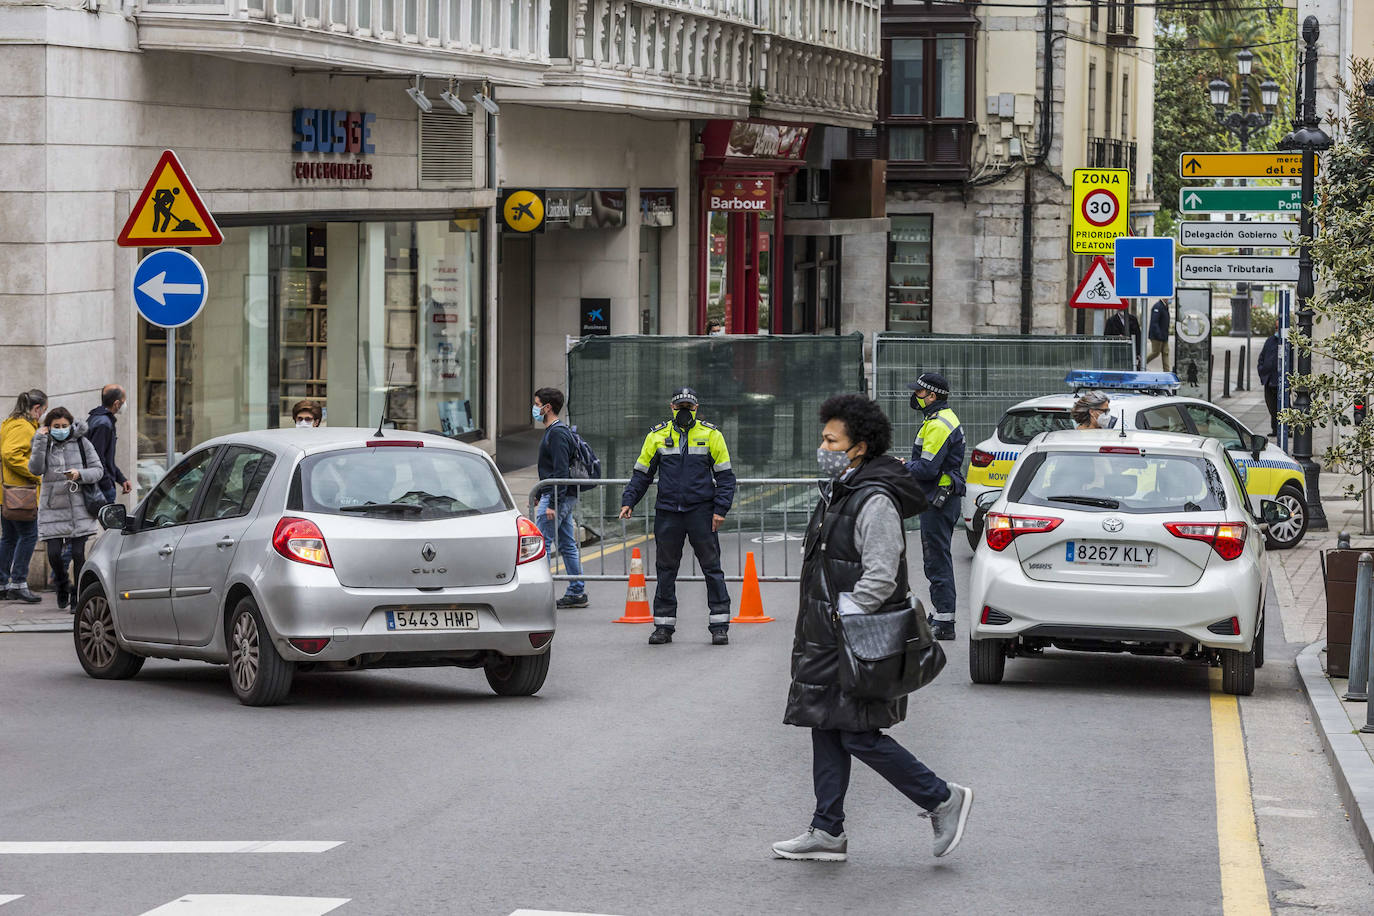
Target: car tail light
x: 993, y: 617
x: 531, y: 541
x: 312, y: 645
x: 981, y: 459
x: 395, y: 443
x: 1003, y: 529
x: 1118, y: 450
x: 301, y: 540
x: 1226, y: 538
x: 540, y: 640
x: 1228, y: 627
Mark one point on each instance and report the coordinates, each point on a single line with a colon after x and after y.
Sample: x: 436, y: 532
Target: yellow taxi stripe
x: 1243, y: 888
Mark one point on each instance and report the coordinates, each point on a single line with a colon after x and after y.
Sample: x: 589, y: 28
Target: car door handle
x: 166, y: 550
x: 224, y: 542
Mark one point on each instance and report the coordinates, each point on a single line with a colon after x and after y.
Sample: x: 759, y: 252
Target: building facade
x: 357, y: 154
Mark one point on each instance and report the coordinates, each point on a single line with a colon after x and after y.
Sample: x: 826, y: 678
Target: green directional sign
x: 1240, y: 200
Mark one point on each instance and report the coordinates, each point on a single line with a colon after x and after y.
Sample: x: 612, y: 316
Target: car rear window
x: 397, y: 482
x: 1019, y: 427
x: 1119, y: 482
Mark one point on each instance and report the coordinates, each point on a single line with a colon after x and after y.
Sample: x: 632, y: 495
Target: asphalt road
x: 650, y: 781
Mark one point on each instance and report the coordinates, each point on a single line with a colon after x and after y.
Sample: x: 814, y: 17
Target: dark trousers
x: 108, y: 489
x: 831, y: 751
x: 1271, y: 400
x: 937, y: 533
x: 76, y: 548
x: 670, y: 530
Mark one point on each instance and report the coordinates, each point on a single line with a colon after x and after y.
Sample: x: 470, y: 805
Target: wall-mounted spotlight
x: 451, y: 99
x: 486, y: 102
x: 417, y: 95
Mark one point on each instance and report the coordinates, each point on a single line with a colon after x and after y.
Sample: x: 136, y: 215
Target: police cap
x: 685, y: 396
x: 933, y: 382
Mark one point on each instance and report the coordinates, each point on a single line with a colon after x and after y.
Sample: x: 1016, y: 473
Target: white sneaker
x: 949, y: 819
x: 814, y: 845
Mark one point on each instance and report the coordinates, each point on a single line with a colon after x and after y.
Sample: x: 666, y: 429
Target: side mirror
x: 114, y: 517
x: 1257, y: 445
x: 985, y: 500
x: 1273, y: 512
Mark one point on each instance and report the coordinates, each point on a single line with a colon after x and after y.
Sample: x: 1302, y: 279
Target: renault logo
x: 429, y: 553
x: 1112, y: 524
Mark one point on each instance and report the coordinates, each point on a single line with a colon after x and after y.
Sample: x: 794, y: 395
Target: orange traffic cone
x: 751, y: 599
x: 637, y: 599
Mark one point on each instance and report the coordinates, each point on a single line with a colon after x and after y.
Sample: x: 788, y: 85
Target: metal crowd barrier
x: 767, y: 512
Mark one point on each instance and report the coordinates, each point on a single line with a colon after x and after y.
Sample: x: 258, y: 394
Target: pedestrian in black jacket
x: 101, y: 433
x: 1268, y: 368
x: 554, y: 515
x: 854, y: 561
x: 1159, y: 334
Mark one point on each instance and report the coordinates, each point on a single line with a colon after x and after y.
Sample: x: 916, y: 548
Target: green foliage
x: 1343, y: 255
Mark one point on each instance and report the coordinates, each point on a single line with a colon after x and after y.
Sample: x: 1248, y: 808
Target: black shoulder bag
x: 91, y: 494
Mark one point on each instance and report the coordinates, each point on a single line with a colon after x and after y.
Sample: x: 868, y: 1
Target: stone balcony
x: 812, y: 60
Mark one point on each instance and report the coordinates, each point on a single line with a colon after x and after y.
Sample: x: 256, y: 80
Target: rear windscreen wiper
x: 385, y: 507
x: 1098, y: 501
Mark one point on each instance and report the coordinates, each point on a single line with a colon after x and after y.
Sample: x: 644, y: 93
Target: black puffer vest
x: 833, y: 565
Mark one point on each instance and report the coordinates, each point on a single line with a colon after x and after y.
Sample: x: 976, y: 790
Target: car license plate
x: 1092, y: 553
x: 431, y: 619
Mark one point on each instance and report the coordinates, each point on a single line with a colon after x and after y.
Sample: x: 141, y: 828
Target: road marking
x: 248, y: 905
x: 552, y: 913
x: 9, y: 898
x: 1285, y: 812
x: 137, y: 847
x: 1243, y: 888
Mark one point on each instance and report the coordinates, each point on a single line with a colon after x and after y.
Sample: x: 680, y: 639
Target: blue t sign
x: 1144, y: 267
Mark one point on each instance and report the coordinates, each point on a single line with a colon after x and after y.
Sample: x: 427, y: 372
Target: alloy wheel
x: 1288, y: 531
x: 97, y: 634
x: 244, y: 652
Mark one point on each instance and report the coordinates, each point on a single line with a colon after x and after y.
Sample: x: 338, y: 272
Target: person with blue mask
x: 67, y: 462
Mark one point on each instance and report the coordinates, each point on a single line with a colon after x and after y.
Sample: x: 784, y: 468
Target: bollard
x: 1368, y: 726
x: 1357, y: 690
x: 1226, y: 377
x: 1240, y: 373
x: 1343, y: 541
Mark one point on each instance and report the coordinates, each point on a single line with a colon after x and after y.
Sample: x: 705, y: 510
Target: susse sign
x: 324, y: 130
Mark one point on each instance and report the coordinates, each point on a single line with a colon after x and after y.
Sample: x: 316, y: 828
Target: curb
x: 1344, y: 749
x: 59, y: 626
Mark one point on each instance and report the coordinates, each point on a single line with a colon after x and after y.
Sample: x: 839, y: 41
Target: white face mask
x: 305, y: 424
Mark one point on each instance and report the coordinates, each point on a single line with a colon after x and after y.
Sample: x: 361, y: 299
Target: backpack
x: 584, y: 465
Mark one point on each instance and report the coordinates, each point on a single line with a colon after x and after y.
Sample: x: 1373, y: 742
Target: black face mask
x: 916, y: 402
x: 684, y: 419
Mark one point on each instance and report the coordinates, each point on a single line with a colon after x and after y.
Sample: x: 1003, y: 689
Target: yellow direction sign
x: 1100, y: 201
x: 169, y: 212
x: 1241, y: 165
x: 523, y: 211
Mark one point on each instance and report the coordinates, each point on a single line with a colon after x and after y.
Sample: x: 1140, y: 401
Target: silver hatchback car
x: 321, y: 549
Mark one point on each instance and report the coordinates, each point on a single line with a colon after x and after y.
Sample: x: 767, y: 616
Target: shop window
x: 909, y: 274
x: 811, y: 304
x: 650, y: 278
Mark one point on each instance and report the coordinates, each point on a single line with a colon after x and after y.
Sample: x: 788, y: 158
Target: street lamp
x: 1309, y: 139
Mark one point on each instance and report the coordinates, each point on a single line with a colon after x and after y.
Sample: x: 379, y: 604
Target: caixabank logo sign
x: 333, y: 131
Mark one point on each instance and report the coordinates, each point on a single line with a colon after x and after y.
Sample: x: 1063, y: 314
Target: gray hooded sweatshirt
x: 61, y: 509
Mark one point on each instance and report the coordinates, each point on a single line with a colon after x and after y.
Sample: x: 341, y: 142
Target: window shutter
x: 866, y: 144
x: 445, y: 148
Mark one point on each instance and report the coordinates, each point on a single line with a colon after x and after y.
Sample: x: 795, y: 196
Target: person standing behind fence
x: 20, y: 515
x: 937, y: 463
x: 555, y: 516
x: 1123, y: 323
x: 67, y: 461
x: 855, y: 562
x: 696, y: 488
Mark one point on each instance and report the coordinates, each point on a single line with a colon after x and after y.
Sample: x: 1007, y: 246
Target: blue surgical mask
x: 60, y: 433
x: 537, y: 413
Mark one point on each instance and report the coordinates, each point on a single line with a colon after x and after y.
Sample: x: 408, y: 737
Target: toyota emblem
x: 429, y: 553
x: 1112, y: 524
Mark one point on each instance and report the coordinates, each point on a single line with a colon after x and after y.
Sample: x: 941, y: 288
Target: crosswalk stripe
x: 248, y: 905
x: 161, y: 846
x: 9, y: 898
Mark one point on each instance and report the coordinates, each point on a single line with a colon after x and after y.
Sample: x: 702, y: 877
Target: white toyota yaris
x: 1139, y: 542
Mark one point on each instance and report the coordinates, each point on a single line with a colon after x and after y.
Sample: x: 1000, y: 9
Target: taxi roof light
x: 1113, y: 380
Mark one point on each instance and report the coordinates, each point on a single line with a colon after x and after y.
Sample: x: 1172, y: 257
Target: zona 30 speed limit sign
x: 1101, y: 201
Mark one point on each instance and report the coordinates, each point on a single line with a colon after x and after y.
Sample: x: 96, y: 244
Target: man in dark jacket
x: 1269, y: 376
x: 554, y: 516
x: 101, y: 431
x: 1159, y: 334
x: 855, y: 562
x: 1123, y: 323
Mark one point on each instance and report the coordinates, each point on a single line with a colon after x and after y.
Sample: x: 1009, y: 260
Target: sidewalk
x: 18, y: 617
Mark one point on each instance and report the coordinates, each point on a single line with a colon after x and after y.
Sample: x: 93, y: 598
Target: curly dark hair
x: 863, y: 420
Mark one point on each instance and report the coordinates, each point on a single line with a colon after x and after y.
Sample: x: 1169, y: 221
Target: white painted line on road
x: 552, y: 913
x: 1285, y: 812
x: 9, y: 898
x: 138, y: 847
x: 248, y: 905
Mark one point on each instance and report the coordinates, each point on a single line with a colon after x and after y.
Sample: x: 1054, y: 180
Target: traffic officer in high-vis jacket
x: 695, y: 490
x: 937, y: 463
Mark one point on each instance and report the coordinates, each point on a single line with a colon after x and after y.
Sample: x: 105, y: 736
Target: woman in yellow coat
x: 21, y: 532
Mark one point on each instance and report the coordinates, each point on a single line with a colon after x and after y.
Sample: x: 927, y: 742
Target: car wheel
x: 259, y: 675
x: 1287, y: 534
x: 987, y: 660
x: 1238, y: 672
x: 518, y: 675
x: 96, y: 644
x: 1258, y: 649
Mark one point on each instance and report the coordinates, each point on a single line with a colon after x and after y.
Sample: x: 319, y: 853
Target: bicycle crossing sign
x: 1097, y: 289
x: 1100, y: 212
x: 169, y: 211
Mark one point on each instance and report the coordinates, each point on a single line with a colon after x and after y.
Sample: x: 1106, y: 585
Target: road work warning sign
x: 169, y: 211
x: 1100, y: 214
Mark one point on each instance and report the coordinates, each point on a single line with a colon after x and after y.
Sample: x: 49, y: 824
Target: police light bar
x: 1081, y: 379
